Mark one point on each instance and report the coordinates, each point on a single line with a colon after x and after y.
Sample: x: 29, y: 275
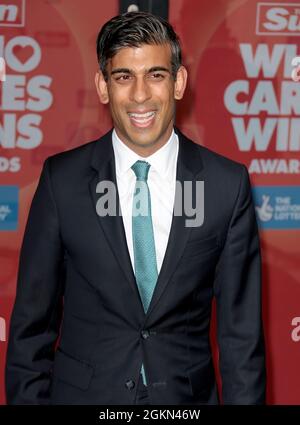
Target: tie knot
x: 141, y: 169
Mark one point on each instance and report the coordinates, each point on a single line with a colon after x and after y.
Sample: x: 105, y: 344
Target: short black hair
x: 132, y: 29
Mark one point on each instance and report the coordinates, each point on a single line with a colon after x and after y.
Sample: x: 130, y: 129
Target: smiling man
x: 135, y: 289
x: 141, y: 88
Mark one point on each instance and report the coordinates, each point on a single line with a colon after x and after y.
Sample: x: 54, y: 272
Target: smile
x: 142, y: 119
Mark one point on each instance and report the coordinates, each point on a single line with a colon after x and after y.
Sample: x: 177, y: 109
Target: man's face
x: 141, y: 92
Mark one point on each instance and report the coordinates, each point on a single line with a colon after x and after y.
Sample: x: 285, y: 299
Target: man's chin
x: 144, y: 144
x: 143, y: 138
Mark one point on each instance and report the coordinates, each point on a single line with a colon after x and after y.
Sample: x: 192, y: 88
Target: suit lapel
x: 104, y: 164
x: 189, y: 166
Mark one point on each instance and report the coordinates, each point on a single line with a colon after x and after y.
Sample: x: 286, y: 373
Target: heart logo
x: 23, y: 53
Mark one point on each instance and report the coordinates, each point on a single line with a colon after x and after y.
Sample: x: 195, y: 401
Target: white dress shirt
x: 161, y: 183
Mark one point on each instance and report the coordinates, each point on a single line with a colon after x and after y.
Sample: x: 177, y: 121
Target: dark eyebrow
x: 158, y: 68
x: 121, y: 70
x: 129, y: 71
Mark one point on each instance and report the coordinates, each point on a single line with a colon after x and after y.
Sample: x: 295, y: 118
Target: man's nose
x: 140, y: 91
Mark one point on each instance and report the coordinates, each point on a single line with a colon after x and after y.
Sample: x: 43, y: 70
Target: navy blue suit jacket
x: 76, y: 280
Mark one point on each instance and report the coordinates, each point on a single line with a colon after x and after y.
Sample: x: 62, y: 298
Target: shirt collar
x: 160, y: 161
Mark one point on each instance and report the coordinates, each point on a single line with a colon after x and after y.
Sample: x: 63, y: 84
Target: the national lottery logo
x: 9, y: 203
x: 277, y: 207
x: 265, y: 210
x: 12, y: 13
x: 5, y: 210
x: 278, y: 19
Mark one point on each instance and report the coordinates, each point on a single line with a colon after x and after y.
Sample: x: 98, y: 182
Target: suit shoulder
x: 217, y: 162
x: 76, y: 162
x: 72, y: 156
x: 224, y: 178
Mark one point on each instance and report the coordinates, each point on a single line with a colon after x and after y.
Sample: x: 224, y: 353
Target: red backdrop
x: 241, y: 102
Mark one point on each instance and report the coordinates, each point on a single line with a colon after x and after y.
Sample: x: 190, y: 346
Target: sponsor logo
x: 278, y: 19
x: 9, y: 200
x: 277, y: 207
x: 12, y: 13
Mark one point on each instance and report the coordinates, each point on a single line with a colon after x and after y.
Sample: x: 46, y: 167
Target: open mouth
x: 142, y: 120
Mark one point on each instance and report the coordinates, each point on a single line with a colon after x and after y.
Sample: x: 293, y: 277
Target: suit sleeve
x: 238, y: 300
x: 36, y: 316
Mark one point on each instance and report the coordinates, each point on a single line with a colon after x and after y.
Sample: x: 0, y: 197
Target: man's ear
x: 180, y: 83
x: 101, y: 86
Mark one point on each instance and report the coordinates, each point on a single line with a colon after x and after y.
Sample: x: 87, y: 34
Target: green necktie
x: 143, y: 238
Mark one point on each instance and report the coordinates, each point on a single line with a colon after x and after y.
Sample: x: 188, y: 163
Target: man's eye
x: 124, y: 77
x: 157, y: 76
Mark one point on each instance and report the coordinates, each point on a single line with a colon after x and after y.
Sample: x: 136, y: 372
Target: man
x: 137, y: 288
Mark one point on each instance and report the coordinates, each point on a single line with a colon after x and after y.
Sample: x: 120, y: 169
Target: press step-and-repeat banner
x: 243, y: 101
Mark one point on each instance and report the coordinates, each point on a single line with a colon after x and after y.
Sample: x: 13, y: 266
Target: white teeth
x: 141, y: 116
